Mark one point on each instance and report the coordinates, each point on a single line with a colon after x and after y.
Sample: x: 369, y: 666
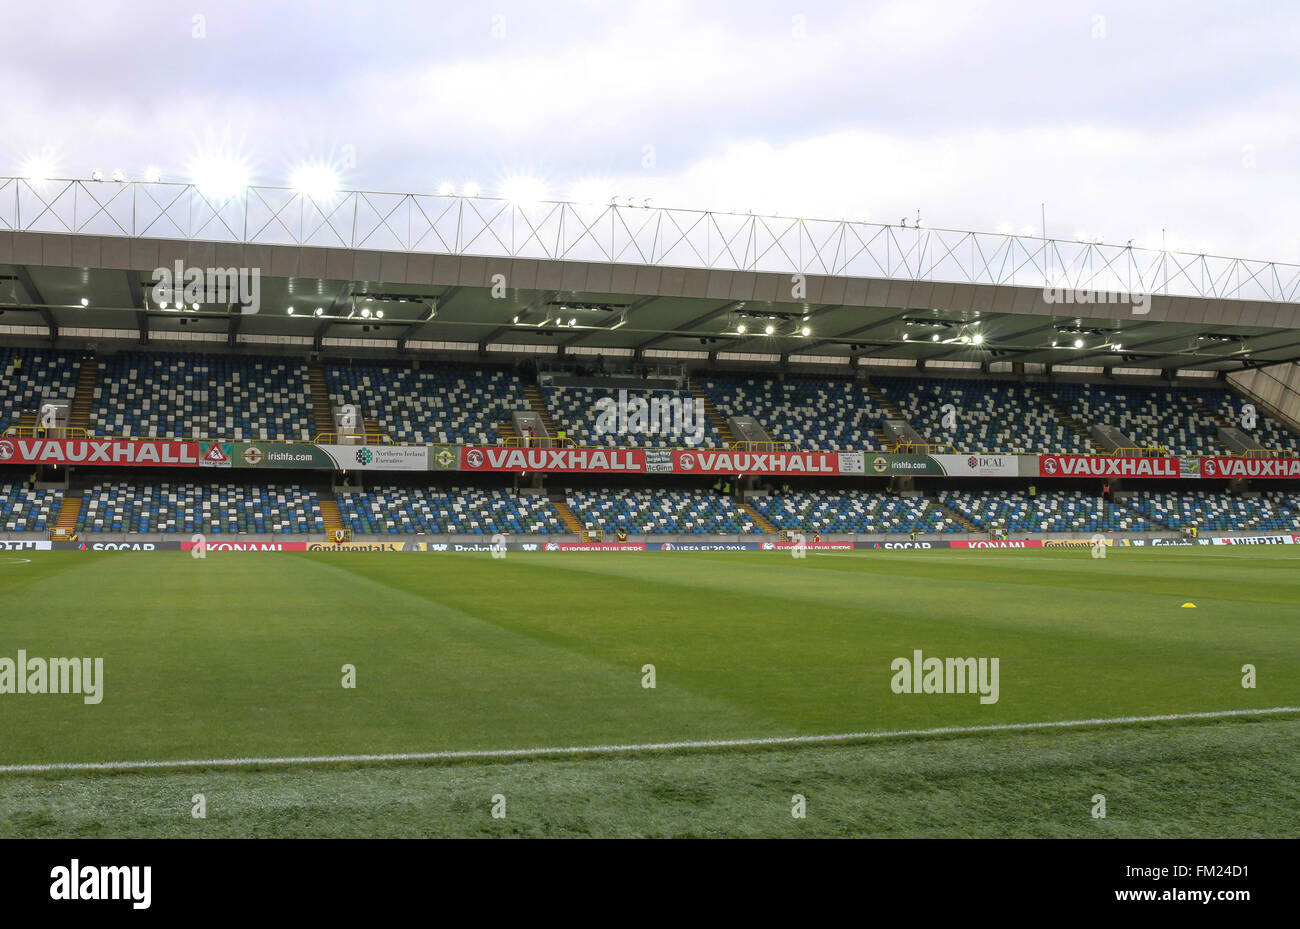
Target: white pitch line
x: 623, y: 749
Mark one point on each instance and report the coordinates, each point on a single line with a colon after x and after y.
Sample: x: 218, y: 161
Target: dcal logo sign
x: 364, y: 456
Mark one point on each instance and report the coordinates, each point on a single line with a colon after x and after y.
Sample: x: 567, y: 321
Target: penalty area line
x: 579, y: 750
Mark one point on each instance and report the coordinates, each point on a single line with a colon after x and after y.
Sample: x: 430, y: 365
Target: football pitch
x: 245, y: 656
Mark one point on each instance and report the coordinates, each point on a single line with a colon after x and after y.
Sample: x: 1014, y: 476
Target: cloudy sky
x: 1126, y: 119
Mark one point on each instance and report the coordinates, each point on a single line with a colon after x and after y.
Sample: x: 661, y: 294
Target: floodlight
x: 522, y: 189
x: 219, y: 178
x: 317, y: 181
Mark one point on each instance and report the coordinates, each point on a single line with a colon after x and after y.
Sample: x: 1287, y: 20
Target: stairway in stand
x: 1074, y: 424
x: 884, y: 402
x: 69, y: 513
x: 538, y: 406
x: 1199, y: 405
x: 952, y: 514
x: 84, y: 397
x: 329, y: 512
x: 322, y: 410
x: 759, y: 519
x: 715, y: 418
x: 884, y: 440
x: 567, y: 516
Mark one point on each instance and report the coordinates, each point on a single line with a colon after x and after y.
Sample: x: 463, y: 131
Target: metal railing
x: 536, y: 441
x: 53, y: 432
x: 1145, y: 451
x: 763, y: 446
x: 921, y: 448
x: 657, y: 236
x: 337, y: 438
x: 1269, y: 453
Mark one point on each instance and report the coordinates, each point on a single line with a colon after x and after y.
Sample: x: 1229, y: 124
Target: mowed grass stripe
x: 820, y: 651
x: 239, y: 653
x: 189, y: 668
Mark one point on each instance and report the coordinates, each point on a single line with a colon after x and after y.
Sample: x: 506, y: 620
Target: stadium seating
x: 442, y: 403
x: 992, y: 417
x: 574, y: 409
x: 1219, y: 512
x: 26, y: 510
x: 852, y: 512
x: 1172, y: 418
x: 1268, y: 433
x: 122, y: 506
x: 1047, y: 511
x: 43, y: 374
x: 193, y: 396
x: 455, y: 510
x: 693, y: 512
x: 813, y: 413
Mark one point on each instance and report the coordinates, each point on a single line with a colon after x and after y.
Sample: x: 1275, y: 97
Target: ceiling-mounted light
x: 977, y: 339
x: 1078, y: 343
x: 379, y: 314
x: 96, y: 175
x: 152, y: 174
x: 805, y: 331
x: 319, y: 311
x: 769, y: 329
x: 740, y: 329
x: 85, y: 302
x: 935, y: 337
x: 446, y: 189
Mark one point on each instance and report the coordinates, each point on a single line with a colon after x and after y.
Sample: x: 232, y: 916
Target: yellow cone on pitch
x: 1189, y: 606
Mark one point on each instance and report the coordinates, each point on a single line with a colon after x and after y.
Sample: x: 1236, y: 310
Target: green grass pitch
x: 240, y: 655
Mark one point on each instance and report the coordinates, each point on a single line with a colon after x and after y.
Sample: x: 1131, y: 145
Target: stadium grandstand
x: 573, y: 395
